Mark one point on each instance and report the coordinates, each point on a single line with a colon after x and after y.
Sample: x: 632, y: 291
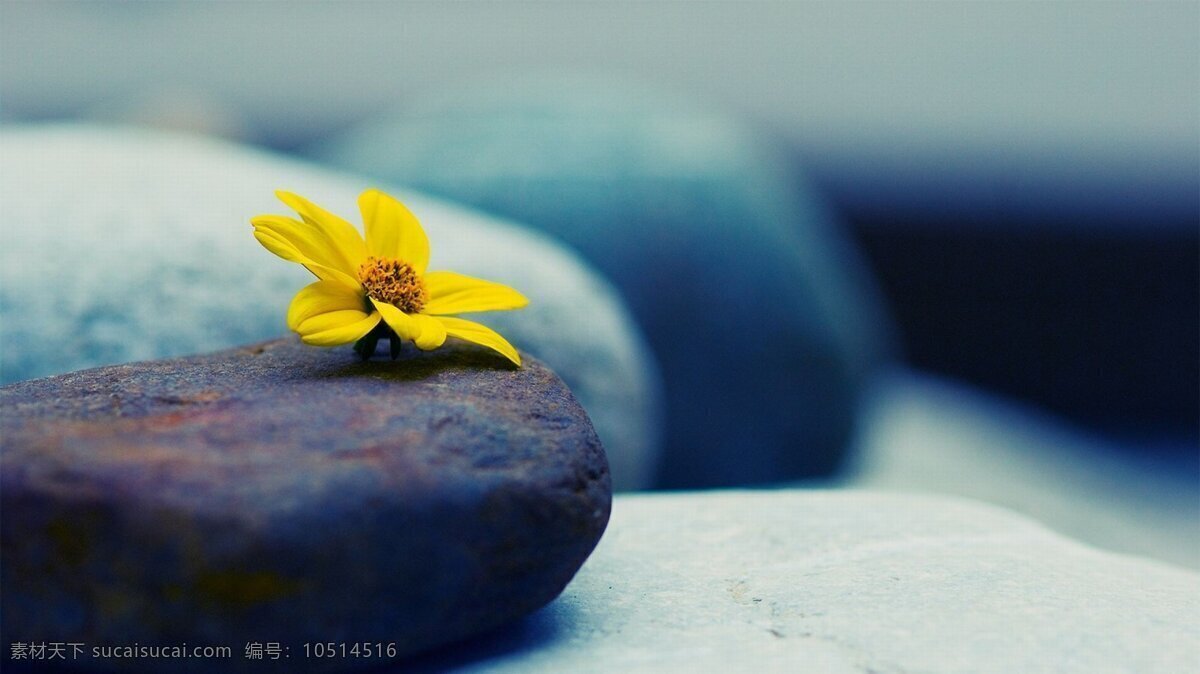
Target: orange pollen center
x: 395, y: 282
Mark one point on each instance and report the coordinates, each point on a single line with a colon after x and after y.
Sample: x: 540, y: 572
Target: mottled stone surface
x: 280, y: 492
x: 847, y: 582
x: 119, y: 245
x: 752, y: 296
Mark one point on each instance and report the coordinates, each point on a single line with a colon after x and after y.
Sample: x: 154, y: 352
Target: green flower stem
x: 365, y: 347
x: 396, y: 343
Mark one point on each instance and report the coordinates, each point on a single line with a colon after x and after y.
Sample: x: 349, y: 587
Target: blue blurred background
x: 995, y: 207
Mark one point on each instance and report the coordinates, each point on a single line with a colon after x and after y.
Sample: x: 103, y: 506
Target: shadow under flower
x: 413, y: 364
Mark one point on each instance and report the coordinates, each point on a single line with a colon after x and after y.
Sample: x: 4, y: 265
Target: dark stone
x: 757, y: 306
x: 285, y: 493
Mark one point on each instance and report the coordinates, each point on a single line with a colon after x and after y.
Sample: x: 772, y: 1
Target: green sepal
x: 365, y: 347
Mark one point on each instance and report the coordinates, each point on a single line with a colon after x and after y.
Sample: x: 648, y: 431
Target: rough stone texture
x: 280, y: 492
x: 120, y: 245
x: 858, y: 582
x: 752, y: 298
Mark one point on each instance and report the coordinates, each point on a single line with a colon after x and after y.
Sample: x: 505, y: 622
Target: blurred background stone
x: 926, y: 434
x: 757, y: 307
x: 183, y: 109
x: 121, y: 245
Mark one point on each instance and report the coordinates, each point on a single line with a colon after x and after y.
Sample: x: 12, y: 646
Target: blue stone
x: 753, y: 299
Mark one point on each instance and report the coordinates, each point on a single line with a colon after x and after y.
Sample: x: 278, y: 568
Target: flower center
x: 395, y: 282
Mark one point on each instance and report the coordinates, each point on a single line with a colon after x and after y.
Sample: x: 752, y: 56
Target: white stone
x: 828, y: 581
x: 119, y: 245
x: 925, y: 434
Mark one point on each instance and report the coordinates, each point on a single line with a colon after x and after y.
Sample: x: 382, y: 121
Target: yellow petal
x: 287, y: 250
x: 433, y: 333
x: 424, y: 331
x: 451, y: 293
x: 401, y: 323
x: 310, y: 241
x: 479, y: 334
x: 320, y: 298
x: 330, y: 320
x: 393, y: 231
x: 343, y: 237
x: 352, y: 327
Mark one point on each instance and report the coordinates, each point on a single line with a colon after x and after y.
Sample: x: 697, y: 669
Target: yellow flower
x: 378, y: 287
